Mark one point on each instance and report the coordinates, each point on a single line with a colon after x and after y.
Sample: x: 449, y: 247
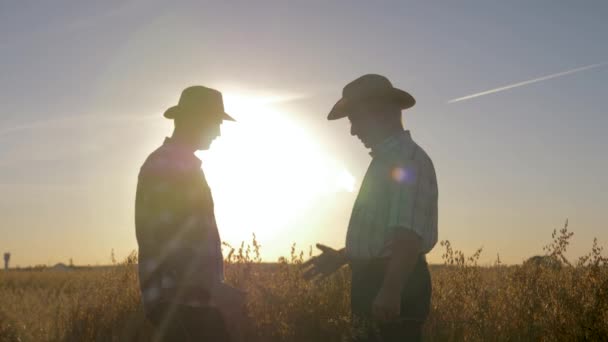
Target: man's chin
x: 204, y: 147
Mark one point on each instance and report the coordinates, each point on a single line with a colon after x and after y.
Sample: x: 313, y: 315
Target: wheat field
x: 550, y: 299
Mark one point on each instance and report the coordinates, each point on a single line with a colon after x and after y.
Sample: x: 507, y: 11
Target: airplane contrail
x: 519, y: 84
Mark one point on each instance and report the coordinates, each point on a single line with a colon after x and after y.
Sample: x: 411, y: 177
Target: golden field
x: 552, y: 299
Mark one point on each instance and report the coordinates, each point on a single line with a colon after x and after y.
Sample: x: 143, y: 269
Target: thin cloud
x: 284, y: 98
x: 64, y: 137
x: 535, y: 80
x: 74, y: 120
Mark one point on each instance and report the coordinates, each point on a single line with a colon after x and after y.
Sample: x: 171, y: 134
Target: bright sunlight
x: 265, y: 170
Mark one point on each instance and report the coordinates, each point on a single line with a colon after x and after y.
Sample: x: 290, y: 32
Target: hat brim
x: 177, y: 111
x: 343, y: 106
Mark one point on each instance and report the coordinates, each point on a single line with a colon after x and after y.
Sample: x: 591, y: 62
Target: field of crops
x: 552, y: 299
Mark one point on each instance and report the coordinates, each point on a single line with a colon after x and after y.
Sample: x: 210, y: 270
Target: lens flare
x: 403, y: 174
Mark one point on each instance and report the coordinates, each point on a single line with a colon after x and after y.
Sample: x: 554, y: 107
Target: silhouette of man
x: 394, y: 219
x: 180, y: 258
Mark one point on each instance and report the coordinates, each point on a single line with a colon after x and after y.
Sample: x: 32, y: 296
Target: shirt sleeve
x: 412, y: 192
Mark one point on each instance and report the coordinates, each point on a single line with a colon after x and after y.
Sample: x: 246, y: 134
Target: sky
x: 510, y: 107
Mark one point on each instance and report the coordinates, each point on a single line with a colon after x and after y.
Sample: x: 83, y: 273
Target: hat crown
x: 202, y: 99
x: 367, y: 85
x: 198, y: 101
x: 370, y: 87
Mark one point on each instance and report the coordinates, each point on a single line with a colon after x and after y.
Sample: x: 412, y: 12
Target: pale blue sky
x: 83, y: 86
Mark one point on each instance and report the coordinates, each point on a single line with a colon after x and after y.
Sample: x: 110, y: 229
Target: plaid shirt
x: 399, y: 191
x: 179, y: 245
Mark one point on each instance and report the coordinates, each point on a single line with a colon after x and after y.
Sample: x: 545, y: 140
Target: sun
x: 265, y: 170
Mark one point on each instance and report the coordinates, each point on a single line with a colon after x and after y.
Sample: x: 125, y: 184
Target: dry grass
x: 553, y: 301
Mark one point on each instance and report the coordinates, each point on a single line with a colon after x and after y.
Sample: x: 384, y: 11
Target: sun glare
x: 265, y: 170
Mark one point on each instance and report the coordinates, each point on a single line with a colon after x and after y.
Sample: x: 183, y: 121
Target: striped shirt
x: 399, y: 192
x: 179, y: 244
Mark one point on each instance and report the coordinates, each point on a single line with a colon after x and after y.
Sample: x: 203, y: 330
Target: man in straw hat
x: 394, y: 219
x: 180, y: 258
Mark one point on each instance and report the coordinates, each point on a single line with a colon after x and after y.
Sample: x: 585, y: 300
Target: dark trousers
x: 186, y: 323
x: 367, y: 279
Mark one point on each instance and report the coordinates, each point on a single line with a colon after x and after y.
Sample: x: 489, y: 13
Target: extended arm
x: 325, y: 264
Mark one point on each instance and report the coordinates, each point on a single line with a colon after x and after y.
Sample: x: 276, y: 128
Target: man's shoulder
x: 408, y: 150
x: 167, y: 163
x: 421, y: 155
x: 425, y: 163
x: 157, y: 160
x: 412, y: 154
x: 162, y: 162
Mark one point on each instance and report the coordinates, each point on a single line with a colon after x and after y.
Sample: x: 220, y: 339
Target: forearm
x: 401, y: 263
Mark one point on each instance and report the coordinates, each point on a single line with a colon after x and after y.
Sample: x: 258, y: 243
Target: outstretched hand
x: 325, y: 264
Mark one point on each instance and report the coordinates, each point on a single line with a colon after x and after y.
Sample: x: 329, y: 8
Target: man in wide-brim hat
x: 394, y: 219
x: 180, y: 259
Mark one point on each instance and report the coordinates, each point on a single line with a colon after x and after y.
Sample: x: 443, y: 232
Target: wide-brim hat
x: 366, y: 88
x: 199, y: 101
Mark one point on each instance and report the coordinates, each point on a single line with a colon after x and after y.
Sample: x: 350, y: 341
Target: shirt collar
x: 389, y: 144
x: 181, y: 151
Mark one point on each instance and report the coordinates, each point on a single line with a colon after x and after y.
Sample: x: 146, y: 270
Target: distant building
x: 60, y: 267
x: 7, y: 258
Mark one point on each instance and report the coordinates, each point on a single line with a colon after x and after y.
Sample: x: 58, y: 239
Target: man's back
x: 399, y: 190
x: 179, y: 245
